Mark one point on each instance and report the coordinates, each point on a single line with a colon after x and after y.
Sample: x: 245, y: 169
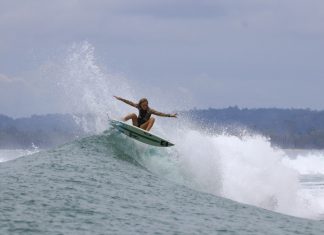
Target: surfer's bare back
x: 144, y: 119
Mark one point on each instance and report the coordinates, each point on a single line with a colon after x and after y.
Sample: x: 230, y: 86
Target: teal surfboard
x: 139, y: 134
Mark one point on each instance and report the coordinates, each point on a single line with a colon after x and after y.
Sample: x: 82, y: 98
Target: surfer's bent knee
x: 132, y: 116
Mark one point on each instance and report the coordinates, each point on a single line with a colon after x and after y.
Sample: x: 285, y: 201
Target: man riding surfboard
x: 143, y: 120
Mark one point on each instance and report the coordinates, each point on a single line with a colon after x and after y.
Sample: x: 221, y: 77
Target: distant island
x: 43, y: 131
x: 286, y: 128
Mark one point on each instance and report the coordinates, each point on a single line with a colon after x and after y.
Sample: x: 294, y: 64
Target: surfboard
x: 140, y: 134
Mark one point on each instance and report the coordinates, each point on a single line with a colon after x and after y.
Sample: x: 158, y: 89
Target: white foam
x: 88, y: 90
x: 11, y: 154
x: 246, y: 170
x: 306, y: 163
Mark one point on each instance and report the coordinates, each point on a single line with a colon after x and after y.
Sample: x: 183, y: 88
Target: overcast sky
x: 251, y: 53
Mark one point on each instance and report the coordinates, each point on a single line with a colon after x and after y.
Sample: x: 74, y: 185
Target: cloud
x: 160, y: 42
x: 169, y: 9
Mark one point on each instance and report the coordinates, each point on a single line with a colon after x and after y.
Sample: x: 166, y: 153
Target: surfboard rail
x: 140, y: 134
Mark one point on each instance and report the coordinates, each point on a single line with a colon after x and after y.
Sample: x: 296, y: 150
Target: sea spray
x: 307, y: 162
x: 89, y: 90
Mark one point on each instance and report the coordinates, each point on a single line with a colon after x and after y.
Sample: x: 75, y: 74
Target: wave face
x: 110, y: 183
x: 106, y: 184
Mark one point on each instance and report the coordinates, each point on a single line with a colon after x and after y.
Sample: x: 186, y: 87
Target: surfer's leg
x: 148, y: 125
x: 132, y: 116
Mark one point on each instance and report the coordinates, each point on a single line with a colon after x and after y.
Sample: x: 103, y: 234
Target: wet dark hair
x: 142, y: 101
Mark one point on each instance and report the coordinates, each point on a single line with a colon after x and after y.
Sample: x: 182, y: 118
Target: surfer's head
x: 143, y: 103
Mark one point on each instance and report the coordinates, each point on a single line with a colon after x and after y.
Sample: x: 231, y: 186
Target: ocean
x: 110, y: 184
x: 107, y: 183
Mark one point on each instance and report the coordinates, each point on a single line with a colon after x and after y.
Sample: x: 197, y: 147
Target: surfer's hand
x: 174, y: 115
x: 117, y: 97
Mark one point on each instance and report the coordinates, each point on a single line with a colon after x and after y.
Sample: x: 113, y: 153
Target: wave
x: 246, y: 169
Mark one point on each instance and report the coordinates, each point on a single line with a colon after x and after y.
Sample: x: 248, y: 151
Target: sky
x: 211, y: 53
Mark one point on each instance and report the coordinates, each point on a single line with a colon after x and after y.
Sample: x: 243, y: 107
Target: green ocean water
x: 101, y: 185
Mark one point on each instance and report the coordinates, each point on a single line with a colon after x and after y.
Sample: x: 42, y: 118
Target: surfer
x: 144, y: 119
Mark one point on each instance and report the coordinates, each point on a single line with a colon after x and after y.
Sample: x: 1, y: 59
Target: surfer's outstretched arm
x: 126, y: 101
x: 157, y: 113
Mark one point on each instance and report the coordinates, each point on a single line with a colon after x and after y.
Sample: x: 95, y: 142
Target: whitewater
x: 109, y: 184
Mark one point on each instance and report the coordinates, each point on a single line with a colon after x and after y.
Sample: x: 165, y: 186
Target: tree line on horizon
x: 43, y: 131
x: 286, y: 128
